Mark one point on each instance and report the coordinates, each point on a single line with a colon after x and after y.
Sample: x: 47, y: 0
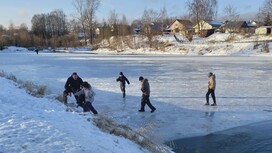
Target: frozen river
x: 178, y: 88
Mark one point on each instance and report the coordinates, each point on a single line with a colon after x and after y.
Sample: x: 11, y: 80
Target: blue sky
x: 21, y: 11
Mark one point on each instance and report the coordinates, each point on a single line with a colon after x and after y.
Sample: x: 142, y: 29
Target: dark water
x: 253, y: 138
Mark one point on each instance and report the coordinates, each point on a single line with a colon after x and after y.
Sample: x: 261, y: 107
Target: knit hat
x: 141, y: 78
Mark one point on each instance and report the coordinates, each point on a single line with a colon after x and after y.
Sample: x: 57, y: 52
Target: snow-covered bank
x: 218, y: 44
x: 29, y: 124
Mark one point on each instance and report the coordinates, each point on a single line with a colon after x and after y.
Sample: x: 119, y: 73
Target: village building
x: 207, y: 25
x: 239, y: 27
x: 263, y: 30
x: 181, y: 27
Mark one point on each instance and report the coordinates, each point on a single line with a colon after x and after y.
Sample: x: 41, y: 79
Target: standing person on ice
x: 72, y: 85
x: 86, y: 97
x: 145, y: 88
x: 122, y: 79
x: 211, y: 89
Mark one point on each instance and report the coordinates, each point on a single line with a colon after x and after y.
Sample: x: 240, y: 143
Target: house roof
x: 251, y: 24
x: 186, y: 23
x: 215, y: 23
x: 231, y: 24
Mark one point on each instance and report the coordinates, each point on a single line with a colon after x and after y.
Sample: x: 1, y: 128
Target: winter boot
x: 153, y: 110
x: 124, y: 95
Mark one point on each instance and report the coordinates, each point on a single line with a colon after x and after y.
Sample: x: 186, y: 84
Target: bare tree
x: 265, y: 12
x: 230, y: 13
x: 56, y: 24
x: 124, y: 26
x: 149, y: 19
x: 39, y: 25
x: 91, y: 6
x: 163, y: 18
x: 74, y: 26
x: 113, y: 22
x: 80, y: 16
x: 24, y: 37
x: 48, y: 26
x: 85, y: 14
x: 202, y: 10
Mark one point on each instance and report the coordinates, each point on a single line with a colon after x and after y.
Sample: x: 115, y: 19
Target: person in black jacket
x: 72, y: 85
x: 122, y: 79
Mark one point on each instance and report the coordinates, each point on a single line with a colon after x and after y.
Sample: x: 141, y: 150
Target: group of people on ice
x: 84, y: 94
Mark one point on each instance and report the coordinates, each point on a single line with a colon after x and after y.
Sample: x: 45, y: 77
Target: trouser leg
x: 148, y: 103
x: 207, y: 95
x: 213, y: 96
x: 143, y: 102
x: 64, y: 96
x: 92, y: 108
x: 80, y: 100
x: 123, y: 91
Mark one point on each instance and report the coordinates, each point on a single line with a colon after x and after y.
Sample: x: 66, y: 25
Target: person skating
x: 145, y: 88
x: 86, y: 97
x: 211, y: 89
x: 122, y: 79
x: 72, y: 85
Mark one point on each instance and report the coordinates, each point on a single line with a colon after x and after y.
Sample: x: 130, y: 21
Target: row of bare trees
x: 54, y: 30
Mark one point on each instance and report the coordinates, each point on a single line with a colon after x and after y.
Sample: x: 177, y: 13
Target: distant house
x: 252, y: 24
x: 239, y: 27
x: 207, y: 25
x: 263, y: 30
x: 157, y: 27
x: 136, y: 30
x: 153, y: 27
x: 97, y: 31
x: 166, y: 30
x: 136, y: 26
x: 80, y: 35
x: 181, y: 27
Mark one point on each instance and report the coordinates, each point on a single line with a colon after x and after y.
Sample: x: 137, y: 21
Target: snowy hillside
x: 218, y: 44
x: 30, y: 124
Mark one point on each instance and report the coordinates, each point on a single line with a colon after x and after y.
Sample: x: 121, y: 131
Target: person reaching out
x: 72, y: 85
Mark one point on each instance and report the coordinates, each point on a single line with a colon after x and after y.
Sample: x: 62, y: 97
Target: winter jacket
x: 89, y: 94
x: 73, y: 85
x: 212, y: 82
x: 122, y: 80
x: 145, y: 87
